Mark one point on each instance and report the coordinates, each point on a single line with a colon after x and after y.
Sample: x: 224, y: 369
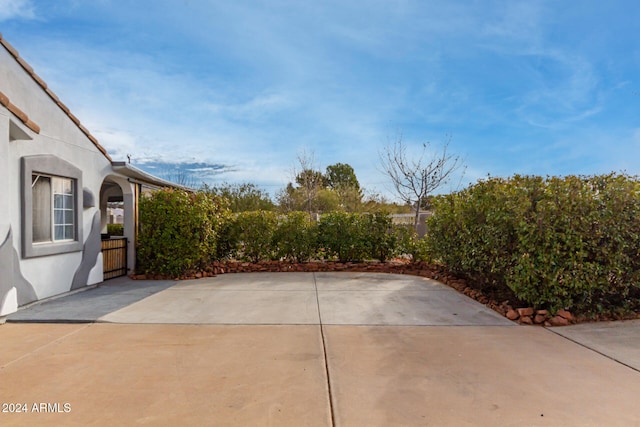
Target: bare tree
x: 308, y: 178
x: 415, y: 178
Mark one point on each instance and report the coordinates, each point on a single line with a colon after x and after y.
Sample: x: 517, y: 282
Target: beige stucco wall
x: 61, y: 137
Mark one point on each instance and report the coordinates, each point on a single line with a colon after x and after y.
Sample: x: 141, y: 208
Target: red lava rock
x: 512, y: 315
x: 525, y: 320
x: 528, y: 311
x: 539, y: 319
x: 558, y: 321
x: 566, y: 315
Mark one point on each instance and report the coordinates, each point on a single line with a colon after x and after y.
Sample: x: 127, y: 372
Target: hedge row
x: 570, y: 242
x: 264, y: 235
x: 181, y: 231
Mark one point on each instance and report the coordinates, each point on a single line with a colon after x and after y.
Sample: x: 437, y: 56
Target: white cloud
x: 14, y: 9
x: 246, y: 85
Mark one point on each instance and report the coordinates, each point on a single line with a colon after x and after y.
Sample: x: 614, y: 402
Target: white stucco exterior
x: 38, y: 135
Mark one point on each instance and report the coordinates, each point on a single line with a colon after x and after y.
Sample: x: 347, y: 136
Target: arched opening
x: 117, y: 226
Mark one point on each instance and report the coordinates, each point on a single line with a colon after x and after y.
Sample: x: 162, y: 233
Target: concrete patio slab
x: 427, y: 307
x: 292, y: 299
x: 91, y: 304
x: 617, y: 340
x: 394, y: 299
x: 169, y: 375
x: 260, y: 345
x: 474, y: 376
x: 18, y: 342
x: 253, y: 282
x: 227, y: 307
x: 349, y: 281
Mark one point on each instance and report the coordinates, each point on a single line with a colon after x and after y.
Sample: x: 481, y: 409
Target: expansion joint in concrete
x: 594, y: 350
x: 324, y: 353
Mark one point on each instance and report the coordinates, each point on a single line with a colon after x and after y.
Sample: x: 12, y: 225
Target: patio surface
x: 307, y: 349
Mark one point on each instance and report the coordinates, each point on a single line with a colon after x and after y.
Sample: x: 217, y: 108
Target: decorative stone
x: 525, y: 320
x: 526, y: 311
x: 540, y: 318
x: 512, y: 315
x: 558, y: 321
x: 565, y: 314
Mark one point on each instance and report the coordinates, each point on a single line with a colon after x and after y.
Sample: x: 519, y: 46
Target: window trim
x: 55, y: 167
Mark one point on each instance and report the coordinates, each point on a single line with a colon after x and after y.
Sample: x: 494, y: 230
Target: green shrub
x: 557, y: 243
x: 380, y: 236
x: 254, y: 232
x: 115, y: 229
x: 295, y: 237
x: 226, y: 242
x: 178, y: 231
x: 409, y: 243
x: 342, y: 236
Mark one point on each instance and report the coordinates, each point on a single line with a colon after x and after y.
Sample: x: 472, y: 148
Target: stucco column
x: 129, y: 199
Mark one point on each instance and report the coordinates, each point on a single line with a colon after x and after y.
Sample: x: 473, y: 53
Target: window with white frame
x: 53, y: 208
x: 52, y: 201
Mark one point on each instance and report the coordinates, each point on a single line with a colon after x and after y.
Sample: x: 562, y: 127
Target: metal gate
x: 114, y: 257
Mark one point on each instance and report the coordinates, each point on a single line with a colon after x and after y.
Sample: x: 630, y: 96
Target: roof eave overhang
x: 139, y: 176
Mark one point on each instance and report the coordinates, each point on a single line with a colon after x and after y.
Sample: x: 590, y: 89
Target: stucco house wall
x: 36, y: 133
x: 39, y: 136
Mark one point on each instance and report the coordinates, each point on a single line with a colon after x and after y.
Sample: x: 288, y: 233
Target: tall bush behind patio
x: 295, y: 237
x: 178, y: 231
x: 342, y: 235
x: 253, y: 233
x: 381, y: 237
x: 569, y: 242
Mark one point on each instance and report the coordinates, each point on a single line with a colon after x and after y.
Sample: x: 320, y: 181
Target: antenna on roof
x: 129, y: 157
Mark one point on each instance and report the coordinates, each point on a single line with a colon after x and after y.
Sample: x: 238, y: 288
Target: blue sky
x: 529, y: 87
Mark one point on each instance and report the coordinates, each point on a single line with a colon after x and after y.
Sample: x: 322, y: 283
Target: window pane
x: 58, y: 216
x: 64, y: 212
x: 41, y: 208
x: 59, y: 232
x: 68, y: 202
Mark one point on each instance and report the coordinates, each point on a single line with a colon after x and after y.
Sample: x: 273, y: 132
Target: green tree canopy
x: 341, y: 175
x: 242, y: 197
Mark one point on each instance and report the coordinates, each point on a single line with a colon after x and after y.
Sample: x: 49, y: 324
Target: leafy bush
x: 226, y: 243
x: 380, y: 235
x: 357, y: 237
x: 409, y: 243
x: 295, y: 237
x: 242, y: 197
x: 253, y: 232
x: 557, y: 243
x: 342, y: 236
x: 178, y: 231
x: 115, y: 229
